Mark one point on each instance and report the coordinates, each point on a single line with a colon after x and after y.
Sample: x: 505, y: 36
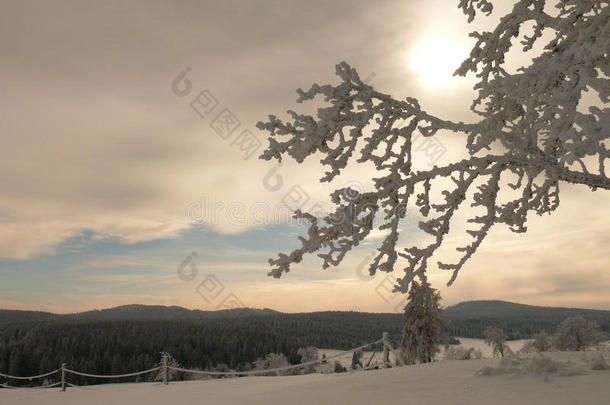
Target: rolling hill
x: 469, y: 319
x: 466, y: 319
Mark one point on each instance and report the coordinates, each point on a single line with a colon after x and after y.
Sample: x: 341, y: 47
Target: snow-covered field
x: 443, y: 382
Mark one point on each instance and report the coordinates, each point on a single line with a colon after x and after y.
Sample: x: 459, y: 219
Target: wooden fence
x: 164, y: 368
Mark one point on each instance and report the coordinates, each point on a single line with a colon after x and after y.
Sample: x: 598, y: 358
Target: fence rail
x: 113, y: 376
x: 34, y: 377
x: 164, y: 368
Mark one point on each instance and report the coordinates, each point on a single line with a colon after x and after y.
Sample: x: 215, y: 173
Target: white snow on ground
x: 443, y: 382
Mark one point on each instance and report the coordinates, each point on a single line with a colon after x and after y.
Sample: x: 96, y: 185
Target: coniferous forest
x: 127, y: 339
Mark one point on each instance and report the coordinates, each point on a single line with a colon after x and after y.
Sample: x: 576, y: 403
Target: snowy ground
x: 443, y: 382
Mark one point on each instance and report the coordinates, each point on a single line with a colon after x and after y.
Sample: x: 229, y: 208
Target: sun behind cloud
x: 435, y: 59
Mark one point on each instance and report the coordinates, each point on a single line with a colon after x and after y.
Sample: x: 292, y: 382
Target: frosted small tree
x: 495, y: 338
x: 576, y: 333
x: 542, y: 342
x: 422, y: 333
x: 533, y: 135
x: 308, y: 354
x: 276, y: 360
x: 170, y: 362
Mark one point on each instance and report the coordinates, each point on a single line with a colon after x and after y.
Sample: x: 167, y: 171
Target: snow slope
x: 444, y: 382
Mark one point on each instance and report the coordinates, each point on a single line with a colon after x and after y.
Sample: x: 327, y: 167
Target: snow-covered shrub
x: 527, y: 348
x: 324, y: 368
x: 542, y: 342
x: 576, y: 333
x: 258, y: 364
x: 598, y: 362
x: 308, y: 354
x: 277, y: 360
x: 338, y: 367
x: 495, y: 338
x: 273, y: 360
x: 489, y: 371
x: 460, y: 353
x: 539, y: 366
x: 244, y: 367
x: 508, y: 351
x: 222, y: 368
x: 535, y: 366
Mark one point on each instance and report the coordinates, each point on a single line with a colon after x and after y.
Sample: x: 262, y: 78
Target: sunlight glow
x: 435, y: 60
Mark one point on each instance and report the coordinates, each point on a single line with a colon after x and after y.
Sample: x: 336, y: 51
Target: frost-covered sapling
x: 495, y: 338
x: 542, y: 342
x: 576, y: 333
x: 308, y: 354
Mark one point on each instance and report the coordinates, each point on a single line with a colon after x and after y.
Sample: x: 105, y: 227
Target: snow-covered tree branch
x: 533, y: 134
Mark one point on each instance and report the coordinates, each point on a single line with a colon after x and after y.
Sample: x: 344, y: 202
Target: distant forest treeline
x: 128, y: 339
x: 117, y: 347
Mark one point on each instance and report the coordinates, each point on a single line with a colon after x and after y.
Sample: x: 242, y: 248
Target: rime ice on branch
x: 530, y: 117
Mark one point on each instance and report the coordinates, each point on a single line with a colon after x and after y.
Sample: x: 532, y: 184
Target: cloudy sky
x: 114, y: 171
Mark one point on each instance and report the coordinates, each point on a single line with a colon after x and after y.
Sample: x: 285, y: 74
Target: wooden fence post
x: 164, y: 369
x: 63, y: 376
x: 386, y: 350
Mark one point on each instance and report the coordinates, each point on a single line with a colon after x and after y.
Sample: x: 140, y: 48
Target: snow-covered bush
x: 277, y: 360
x: 308, y: 354
x: 273, y: 360
x: 258, y: 364
x: 598, y: 362
x: 576, y: 333
x: 495, y: 338
x: 527, y: 348
x: 542, y: 342
x: 222, y: 368
x: 461, y: 353
x: 535, y: 366
x: 338, y: 367
x: 539, y: 365
x: 476, y: 354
